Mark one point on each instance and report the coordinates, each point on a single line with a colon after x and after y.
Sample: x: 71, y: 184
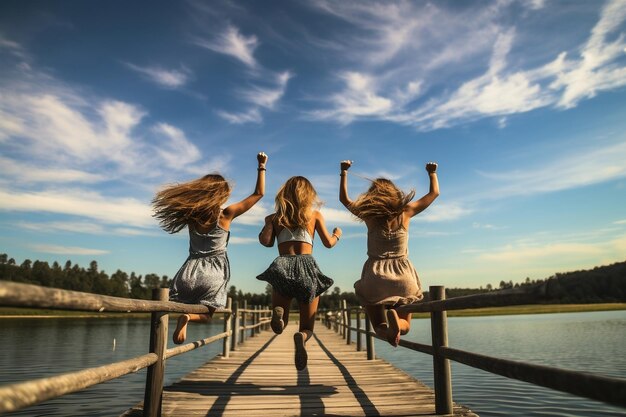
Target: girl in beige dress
x: 388, y: 278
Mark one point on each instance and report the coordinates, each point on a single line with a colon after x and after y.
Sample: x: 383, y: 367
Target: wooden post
x: 344, y: 321
x: 359, y: 343
x: 244, y: 315
x: 254, y: 321
x: 348, y: 325
x: 227, y: 325
x: 369, y: 339
x: 235, y: 319
x: 441, y: 366
x: 158, y: 344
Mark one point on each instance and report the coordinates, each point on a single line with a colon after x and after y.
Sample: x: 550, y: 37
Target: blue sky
x: 522, y: 104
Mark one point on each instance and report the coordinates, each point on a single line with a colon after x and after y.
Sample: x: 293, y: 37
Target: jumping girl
x: 295, y: 274
x: 196, y: 204
x: 388, y: 278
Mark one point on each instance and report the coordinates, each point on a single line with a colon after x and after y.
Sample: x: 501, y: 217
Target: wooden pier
x: 255, y: 374
x: 260, y: 379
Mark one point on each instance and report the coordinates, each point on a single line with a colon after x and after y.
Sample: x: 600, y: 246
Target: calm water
x: 580, y: 341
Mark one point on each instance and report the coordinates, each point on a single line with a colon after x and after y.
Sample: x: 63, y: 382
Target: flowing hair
x: 383, y: 200
x: 196, y: 201
x: 294, y: 201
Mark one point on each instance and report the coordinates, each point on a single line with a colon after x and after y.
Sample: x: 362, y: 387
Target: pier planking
x: 260, y: 378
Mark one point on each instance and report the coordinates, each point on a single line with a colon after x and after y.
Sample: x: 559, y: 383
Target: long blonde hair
x: 197, y: 201
x: 294, y: 201
x: 382, y: 200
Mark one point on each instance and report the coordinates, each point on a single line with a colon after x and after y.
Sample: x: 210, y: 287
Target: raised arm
x: 328, y: 239
x: 237, y: 209
x: 420, y: 205
x: 267, y: 235
x: 343, y: 184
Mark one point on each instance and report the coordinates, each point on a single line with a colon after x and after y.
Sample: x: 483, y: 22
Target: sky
x: 521, y: 103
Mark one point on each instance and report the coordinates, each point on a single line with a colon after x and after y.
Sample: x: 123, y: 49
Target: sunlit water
x: 591, y: 342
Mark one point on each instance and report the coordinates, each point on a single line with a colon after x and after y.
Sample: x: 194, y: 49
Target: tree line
x: 600, y: 284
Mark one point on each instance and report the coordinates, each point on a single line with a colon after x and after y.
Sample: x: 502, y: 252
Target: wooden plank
x: 260, y: 377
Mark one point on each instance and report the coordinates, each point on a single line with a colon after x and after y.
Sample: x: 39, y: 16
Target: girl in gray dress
x: 295, y: 274
x: 204, y: 276
x: 388, y: 278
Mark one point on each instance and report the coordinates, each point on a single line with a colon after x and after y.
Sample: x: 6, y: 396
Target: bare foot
x: 180, y: 334
x: 393, y: 331
x: 301, y: 356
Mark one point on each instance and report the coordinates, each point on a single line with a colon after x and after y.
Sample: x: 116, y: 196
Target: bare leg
x: 305, y: 332
x: 180, y: 334
x: 376, y: 314
x: 279, y: 300
x: 399, y: 323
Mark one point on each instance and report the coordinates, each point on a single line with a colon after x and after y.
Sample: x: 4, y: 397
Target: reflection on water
x: 592, y: 342
x: 589, y: 342
x: 36, y: 348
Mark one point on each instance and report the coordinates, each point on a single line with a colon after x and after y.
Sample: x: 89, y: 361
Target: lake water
x: 591, y: 342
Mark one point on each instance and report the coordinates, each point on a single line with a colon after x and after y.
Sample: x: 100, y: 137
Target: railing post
x: 254, y: 321
x: 359, y: 343
x: 158, y: 344
x: 343, y: 318
x: 235, y: 319
x: 369, y: 339
x: 348, y: 325
x: 227, y: 325
x: 244, y: 315
x: 441, y: 365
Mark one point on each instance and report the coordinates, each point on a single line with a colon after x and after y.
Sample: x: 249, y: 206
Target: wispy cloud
x: 249, y: 116
x: 231, y: 42
x: 393, y: 87
x: 67, y: 250
x: 588, y: 166
x: 267, y: 97
x: 83, y: 227
x: 166, y: 78
x: 124, y: 211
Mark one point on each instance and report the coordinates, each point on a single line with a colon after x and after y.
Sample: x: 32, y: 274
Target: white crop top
x: 295, y: 235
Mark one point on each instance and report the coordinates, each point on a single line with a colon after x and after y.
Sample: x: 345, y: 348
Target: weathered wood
x: 244, y: 316
x: 17, y: 396
x: 26, y: 295
x: 369, y: 339
x: 170, y: 353
x: 235, y: 319
x: 532, y: 294
x: 260, y: 379
x: 227, y: 325
x: 441, y: 365
x: 609, y: 390
x: 158, y: 345
x: 359, y: 337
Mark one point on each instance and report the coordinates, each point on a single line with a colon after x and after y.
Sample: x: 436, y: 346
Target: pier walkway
x: 259, y: 378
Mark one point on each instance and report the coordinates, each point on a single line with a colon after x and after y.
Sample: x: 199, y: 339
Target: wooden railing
x: 602, y: 388
x: 20, y: 395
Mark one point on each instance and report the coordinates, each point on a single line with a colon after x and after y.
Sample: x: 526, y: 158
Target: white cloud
x: 392, y: 34
x: 25, y: 172
x: 520, y: 254
x: 334, y: 217
x: 255, y: 216
x: 82, y: 227
x: 67, y: 250
x: 250, y: 116
x: 82, y: 203
x: 177, y: 149
x: 590, y: 166
x: 231, y: 42
x: 439, y: 212
x: 163, y: 77
x: 596, y: 70
x: 267, y: 96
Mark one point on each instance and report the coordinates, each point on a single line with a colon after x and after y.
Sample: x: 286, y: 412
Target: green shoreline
x: 11, y: 312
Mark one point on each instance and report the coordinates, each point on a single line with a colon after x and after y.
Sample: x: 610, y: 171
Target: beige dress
x: 388, y: 276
